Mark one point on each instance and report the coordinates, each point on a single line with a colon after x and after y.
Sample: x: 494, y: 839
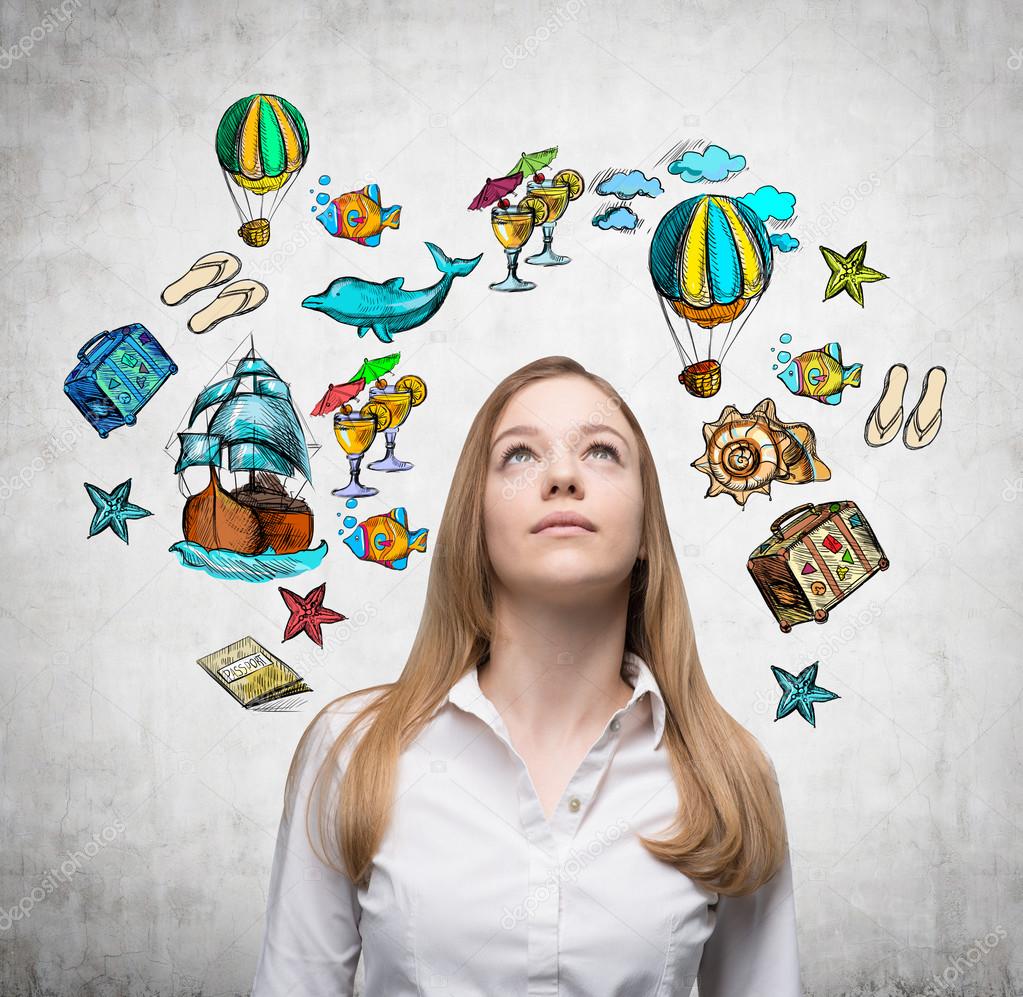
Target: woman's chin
x: 564, y: 580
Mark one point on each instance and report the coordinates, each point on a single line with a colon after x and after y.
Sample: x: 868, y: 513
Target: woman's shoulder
x: 335, y: 717
x: 327, y: 726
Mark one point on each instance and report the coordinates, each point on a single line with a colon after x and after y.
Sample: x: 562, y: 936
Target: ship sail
x: 272, y: 387
x: 213, y: 395
x: 250, y: 418
x: 198, y: 450
x: 257, y: 457
x: 258, y: 426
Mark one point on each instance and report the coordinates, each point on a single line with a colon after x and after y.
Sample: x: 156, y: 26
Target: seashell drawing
x: 745, y: 452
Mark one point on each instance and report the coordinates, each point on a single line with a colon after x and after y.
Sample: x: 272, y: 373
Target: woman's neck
x: 554, y: 671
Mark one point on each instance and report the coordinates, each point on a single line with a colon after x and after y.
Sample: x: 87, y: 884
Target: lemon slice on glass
x: 573, y: 181
x: 536, y: 207
x: 415, y: 385
x: 377, y: 411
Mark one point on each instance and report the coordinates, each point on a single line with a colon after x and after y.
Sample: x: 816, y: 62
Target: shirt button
x: 574, y: 804
x: 615, y: 724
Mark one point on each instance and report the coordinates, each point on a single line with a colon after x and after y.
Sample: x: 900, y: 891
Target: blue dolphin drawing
x: 387, y: 308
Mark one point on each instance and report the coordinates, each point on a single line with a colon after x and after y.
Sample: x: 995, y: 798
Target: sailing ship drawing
x: 257, y: 530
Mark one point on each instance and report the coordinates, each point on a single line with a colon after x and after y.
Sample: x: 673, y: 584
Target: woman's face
x: 561, y: 447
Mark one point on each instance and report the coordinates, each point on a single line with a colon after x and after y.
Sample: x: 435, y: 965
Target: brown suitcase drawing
x: 816, y: 556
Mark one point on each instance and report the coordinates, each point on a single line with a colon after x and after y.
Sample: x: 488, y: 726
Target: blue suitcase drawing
x: 118, y: 372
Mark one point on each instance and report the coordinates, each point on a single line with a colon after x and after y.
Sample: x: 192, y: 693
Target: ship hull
x: 214, y: 520
x: 245, y: 522
x: 286, y: 532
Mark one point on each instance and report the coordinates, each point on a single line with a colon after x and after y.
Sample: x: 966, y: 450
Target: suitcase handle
x: 791, y: 514
x: 90, y: 344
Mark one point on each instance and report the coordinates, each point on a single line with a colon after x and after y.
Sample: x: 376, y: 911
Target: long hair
x: 729, y: 831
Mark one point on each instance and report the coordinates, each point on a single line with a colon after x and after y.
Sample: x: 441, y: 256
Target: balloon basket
x: 255, y: 232
x: 702, y: 379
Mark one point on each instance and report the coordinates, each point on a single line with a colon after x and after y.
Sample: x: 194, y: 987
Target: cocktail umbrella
x: 372, y: 369
x: 494, y: 190
x: 337, y: 395
x: 535, y: 161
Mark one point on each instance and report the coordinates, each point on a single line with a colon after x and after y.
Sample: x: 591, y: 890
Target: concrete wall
x: 140, y: 803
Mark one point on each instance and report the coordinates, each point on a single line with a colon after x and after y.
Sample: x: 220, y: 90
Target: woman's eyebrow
x: 583, y: 429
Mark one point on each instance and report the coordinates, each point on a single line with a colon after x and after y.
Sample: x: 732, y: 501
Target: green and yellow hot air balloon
x: 262, y: 143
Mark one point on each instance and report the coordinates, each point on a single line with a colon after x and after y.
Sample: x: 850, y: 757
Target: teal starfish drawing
x: 113, y: 509
x: 800, y: 692
x: 848, y: 273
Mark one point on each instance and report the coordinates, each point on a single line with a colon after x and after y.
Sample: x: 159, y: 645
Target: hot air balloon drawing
x: 262, y: 143
x: 710, y: 261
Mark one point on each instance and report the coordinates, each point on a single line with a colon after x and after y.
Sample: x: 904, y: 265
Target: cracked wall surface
x: 140, y: 803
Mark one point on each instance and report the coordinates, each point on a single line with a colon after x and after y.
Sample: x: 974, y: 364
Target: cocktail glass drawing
x: 355, y: 433
x: 398, y: 401
x: 513, y: 224
x: 565, y: 186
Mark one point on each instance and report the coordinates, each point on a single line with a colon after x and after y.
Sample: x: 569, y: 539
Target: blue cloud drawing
x: 626, y: 186
x: 714, y: 164
x: 769, y: 202
x: 619, y: 217
x: 785, y: 242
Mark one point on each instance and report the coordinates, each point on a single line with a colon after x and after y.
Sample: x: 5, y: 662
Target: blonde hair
x: 729, y: 831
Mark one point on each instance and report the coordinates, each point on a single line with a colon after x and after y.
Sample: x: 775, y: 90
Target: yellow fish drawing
x: 819, y: 374
x: 386, y: 539
x: 358, y: 216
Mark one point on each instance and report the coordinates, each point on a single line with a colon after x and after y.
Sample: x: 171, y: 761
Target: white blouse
x: 475, y: 893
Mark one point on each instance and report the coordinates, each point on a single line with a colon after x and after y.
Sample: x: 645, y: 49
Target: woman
x: 549, y: 799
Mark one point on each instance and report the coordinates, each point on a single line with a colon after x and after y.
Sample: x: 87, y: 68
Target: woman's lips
x: 564, y: 530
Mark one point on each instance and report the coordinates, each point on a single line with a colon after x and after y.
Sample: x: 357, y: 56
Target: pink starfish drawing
x: 308, y: 613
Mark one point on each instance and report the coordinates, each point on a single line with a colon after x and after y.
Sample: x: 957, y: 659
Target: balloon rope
x: 710, y: 346
x: 689, y: 329
x: 671, y: 329
x: 234, y: 200
x: 273, y: 203
x: 248, y: 206
x: 728, y: 345
x: 282, y: 192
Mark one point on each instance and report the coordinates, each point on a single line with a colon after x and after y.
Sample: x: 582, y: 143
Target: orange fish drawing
x: 359, y: 217
x: 386, y: 539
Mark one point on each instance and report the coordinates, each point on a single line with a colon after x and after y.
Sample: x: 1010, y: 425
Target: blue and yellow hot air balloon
x: 262, y: 143
x: 710, y: 261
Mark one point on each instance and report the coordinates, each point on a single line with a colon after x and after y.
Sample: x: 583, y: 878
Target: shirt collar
x: 467, y: 694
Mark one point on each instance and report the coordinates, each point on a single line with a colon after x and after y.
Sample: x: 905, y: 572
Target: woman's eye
x: 519, y: 449
x: 606, y: 450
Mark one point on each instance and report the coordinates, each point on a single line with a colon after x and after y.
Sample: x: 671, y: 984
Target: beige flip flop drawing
x: 925, y: 419
x: 207, y: 271
x: 236, y: 299
x: 886, y: 417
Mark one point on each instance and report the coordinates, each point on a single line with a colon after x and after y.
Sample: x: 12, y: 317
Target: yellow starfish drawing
x: 848, y: 273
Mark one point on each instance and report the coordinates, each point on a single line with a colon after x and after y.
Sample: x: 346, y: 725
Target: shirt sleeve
x: 311, y: 940
x: 753, y: 951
